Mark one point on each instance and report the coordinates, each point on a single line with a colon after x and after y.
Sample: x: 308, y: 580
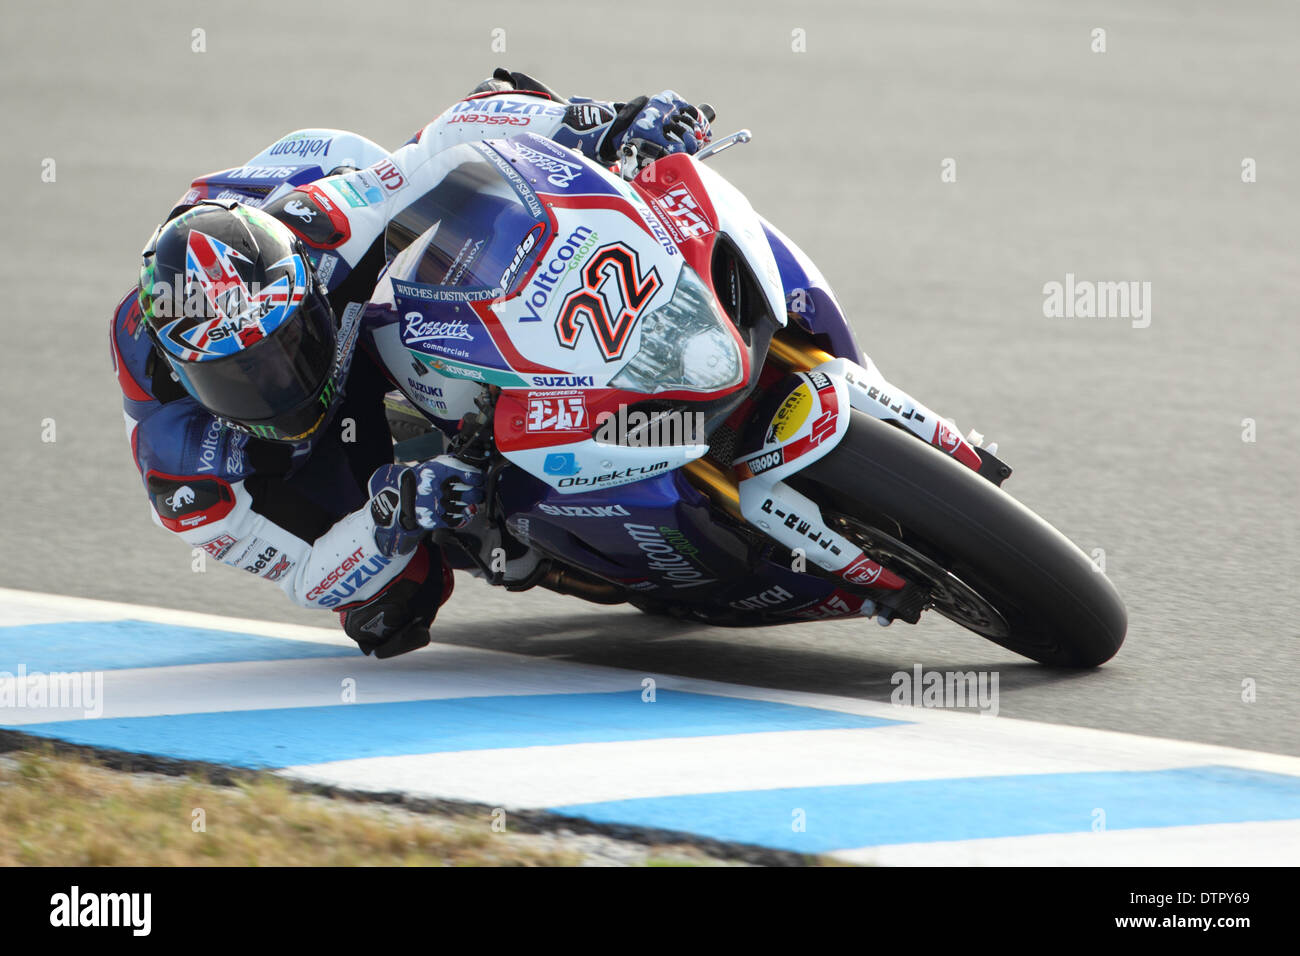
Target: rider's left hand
x: 658, y: 126
x: 447, y: 493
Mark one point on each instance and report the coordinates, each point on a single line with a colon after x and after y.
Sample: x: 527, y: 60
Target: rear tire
x: 1058, y: 608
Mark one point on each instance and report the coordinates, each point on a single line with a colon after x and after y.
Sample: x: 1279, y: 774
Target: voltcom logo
x: 667, y: 559
x: 301, y: 146
x: 74, y: 909
x: 575, y: 248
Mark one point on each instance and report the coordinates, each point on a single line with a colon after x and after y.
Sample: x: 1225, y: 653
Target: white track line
x: 1275, y: 843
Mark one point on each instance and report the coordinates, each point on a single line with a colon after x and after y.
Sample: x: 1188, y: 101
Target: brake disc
x: 948, y: 594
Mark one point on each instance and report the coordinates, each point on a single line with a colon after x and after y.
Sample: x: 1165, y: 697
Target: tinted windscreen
x: 471, y: 230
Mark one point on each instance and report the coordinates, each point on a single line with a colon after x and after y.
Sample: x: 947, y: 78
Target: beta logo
x: 262, y: 560
x: 563, y: 414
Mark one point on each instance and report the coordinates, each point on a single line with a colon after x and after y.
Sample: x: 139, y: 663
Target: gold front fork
x: 720, y: 486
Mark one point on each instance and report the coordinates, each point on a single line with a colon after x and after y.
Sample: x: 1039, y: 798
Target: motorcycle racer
x: 253, y: 400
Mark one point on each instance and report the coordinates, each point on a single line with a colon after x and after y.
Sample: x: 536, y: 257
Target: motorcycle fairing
x: 719, y: 572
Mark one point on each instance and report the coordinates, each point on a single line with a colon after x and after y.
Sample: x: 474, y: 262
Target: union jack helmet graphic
x: 232, y: 304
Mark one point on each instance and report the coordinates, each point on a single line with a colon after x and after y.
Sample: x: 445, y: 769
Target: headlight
x: 685, y: 344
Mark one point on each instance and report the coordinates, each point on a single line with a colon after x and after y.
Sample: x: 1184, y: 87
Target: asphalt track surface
x: 1117, y: 166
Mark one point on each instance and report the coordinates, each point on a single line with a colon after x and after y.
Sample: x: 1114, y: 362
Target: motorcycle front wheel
x: 989, y: 563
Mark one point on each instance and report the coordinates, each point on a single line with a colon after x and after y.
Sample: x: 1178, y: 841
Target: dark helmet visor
x: 274, y: 387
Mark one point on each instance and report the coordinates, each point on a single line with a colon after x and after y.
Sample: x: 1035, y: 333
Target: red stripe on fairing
x: 599, y: 201
x: 497, y: 333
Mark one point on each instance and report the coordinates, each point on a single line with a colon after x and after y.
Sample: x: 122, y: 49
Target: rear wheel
x: 987, y: 562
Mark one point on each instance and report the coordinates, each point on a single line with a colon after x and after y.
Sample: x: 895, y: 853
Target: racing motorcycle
x: 672, y: 411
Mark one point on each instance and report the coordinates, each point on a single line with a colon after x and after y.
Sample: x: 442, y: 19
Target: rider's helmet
x: 231, y: 300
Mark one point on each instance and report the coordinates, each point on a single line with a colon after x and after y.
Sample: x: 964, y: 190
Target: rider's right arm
x: 203, y: 488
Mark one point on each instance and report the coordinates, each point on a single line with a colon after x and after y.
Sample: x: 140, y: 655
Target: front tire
x: 1057, y: 607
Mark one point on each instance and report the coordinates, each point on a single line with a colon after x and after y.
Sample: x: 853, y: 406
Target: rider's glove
x: 392, y: 506
x: 447, y: 492
x: 657, y: 126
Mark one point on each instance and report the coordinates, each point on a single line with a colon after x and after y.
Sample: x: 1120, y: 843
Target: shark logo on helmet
x: 231, y: 315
